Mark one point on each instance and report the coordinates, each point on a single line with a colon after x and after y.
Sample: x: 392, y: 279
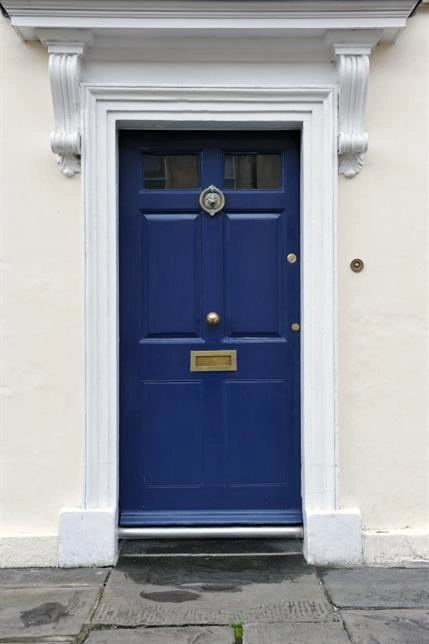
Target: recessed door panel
x: 256, y: 443
x: 253, y: 274
x: 169, y: 457
x: 171, y: 258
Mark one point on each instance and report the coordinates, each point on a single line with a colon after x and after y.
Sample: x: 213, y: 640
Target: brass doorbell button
x: 357, y: 265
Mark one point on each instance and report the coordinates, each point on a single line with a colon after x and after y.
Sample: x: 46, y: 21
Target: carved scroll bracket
x: 353, y: 71
x: 64, y: 72
x: 351, y: 51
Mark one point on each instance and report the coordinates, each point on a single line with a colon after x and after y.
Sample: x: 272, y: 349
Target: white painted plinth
x: 333, y: 538
x: 87, y: 537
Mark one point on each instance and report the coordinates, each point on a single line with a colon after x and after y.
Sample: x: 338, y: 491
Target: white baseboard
x: 25, y: 551
x: 87, y: 537
x: 395, y: 547
x: 333, y: 538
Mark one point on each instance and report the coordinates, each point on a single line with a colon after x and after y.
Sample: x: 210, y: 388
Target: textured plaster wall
x: 383, y: 215
x: 41, y: 284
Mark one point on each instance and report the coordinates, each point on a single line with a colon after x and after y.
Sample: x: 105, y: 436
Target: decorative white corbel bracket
x: 351, y: 49
x: 64, y: 73
x: 353, y: 71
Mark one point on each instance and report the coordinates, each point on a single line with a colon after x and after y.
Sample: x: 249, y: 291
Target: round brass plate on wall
x: 357, y: 265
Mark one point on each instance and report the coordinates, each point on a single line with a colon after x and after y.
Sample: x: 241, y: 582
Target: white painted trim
x: 136, y: 14
x: 333, y: 538
x: 352, y: 55
x: 64, y: 74
x: 87, y: 537
x: 313, y: 110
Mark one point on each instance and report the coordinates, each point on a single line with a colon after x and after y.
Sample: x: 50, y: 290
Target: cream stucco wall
x: 383, y: 312
x: 383, y: 218
x: 42, y: 354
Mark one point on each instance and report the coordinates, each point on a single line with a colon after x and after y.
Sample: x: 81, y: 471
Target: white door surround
x: 311, y: 110
x: 298, y: 88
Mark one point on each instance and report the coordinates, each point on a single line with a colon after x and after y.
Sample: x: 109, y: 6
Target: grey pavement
x: 251, y: 594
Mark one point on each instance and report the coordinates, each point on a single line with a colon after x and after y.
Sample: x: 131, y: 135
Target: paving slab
x: 44, y: 640
x: 37, y: 612
x: 378, y: 587
x: 295, y: 634
x: 214, y: 591
x: 185, y: 635
x: 45, y: 577
x: 48, y: 640
x: 387, y: 626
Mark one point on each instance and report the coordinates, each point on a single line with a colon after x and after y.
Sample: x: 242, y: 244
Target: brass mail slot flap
x: 214, y: 360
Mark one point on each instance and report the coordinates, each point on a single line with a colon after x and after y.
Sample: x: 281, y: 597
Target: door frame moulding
x: 88, y: 535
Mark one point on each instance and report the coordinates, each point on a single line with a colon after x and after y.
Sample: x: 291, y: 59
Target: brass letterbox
x: 214, y: 360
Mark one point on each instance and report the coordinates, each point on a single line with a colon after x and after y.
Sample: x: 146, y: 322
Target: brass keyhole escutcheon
x: 295, y: 326
x: 212, y: 318
x: 357, y: 265
x: 291, y: 258
x: 212, y: 200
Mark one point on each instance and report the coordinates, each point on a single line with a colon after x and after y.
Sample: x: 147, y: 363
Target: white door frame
x: 88, y: 535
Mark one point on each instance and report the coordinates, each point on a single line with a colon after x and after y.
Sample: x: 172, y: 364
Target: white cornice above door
x: 303, y: 18
x: 286, y: 31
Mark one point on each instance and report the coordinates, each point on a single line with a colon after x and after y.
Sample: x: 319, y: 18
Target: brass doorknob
x: 212, y: 318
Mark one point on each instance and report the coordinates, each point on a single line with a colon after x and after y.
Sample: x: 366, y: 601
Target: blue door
x: 209, y: 328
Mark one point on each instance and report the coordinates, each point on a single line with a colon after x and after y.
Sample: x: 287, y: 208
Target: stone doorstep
x: 209, y: 547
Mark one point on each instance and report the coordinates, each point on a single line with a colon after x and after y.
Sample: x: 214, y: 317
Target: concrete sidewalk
x: 162, y: 596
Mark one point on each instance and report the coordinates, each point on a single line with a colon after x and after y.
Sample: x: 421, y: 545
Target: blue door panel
x: 206, y: 448
x: 253, y: 275
x: 255, y: 441
x: 171, y: 458
x: 166, y: 310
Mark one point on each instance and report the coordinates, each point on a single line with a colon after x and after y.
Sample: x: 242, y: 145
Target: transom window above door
x: 171, y: 171
x: 240, y: 171
x: 247, y: 171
